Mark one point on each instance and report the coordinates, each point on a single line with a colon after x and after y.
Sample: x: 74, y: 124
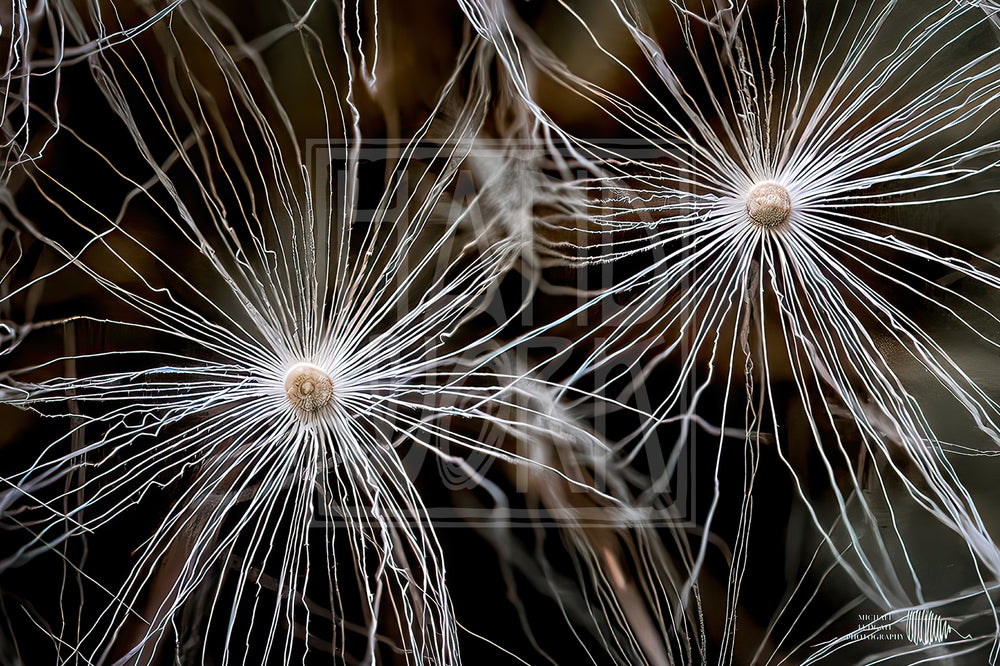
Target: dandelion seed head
x: 877, y: 117
x: 308, y: 386
x: 768, y: 204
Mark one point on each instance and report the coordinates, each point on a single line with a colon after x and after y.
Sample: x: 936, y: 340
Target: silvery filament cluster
x: 500, y: 331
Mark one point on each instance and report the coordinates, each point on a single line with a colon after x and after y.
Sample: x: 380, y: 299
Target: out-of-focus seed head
x: 768, y: 204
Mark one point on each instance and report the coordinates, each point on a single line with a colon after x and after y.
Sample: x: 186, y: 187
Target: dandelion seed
x: 279, y: 350
x: 309, y: 388
x: 870, y: 118
x: 768, y: 204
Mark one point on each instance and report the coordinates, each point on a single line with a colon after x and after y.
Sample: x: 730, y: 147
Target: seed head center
x: 308, y: 387
x: 768, y: 204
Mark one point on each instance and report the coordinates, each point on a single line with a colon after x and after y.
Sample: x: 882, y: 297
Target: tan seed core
x: 768, y: 204
x: 308, y: 387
